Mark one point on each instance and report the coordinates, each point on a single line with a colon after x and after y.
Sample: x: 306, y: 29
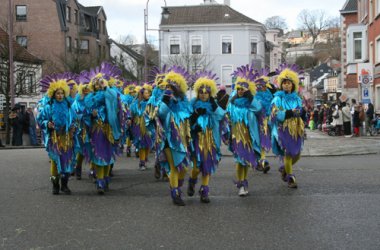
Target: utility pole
x: 10, y: 49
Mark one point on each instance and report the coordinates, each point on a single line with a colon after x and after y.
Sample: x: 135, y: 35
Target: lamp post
x: 10, y: 49
x: 165, y: 14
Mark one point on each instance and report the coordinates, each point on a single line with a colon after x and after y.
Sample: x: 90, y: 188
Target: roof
x: 320, y: 71
x: 350, y: 6
x: 205, y: 14
x: 20, y: 53
x: 138, y: 57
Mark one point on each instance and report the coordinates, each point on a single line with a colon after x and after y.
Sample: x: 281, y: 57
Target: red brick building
x: 61, y: 32
x: 361, y: 45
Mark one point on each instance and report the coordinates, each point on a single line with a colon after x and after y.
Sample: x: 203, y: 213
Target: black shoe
x: 157, y: 171
x: 176, y: 196
x: 191, y: 187
x: 203, y: 192
x: 64, y: 188
x: 55, y: 181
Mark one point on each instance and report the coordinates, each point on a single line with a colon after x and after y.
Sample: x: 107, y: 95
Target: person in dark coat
x: 17, y: 120
x: 222, y: 97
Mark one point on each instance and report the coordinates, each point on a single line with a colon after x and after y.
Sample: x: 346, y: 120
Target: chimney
x: 227, y: 2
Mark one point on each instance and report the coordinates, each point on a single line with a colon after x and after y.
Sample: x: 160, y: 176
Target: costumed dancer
x: 57, y: 120
x: 264, y: 96
x: 151, y: 110
x: 205, y: 124
x: 174, y: 112
x: 245, y: 138
x: 105, y: 129
x: 143, y: 133
x: 288, y: 127
x: 84, y: 121
x: 127, y: 99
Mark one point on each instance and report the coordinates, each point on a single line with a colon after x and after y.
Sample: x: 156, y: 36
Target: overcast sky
x: 126, y: 17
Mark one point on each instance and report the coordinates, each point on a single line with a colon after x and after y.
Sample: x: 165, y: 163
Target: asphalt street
x: 335, y: 207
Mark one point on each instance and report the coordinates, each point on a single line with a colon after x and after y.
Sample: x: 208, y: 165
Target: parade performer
x: 205, y: 124
x: 83, y: 131
x: 288, y: 127
x: 151, y: 111
x: 264, y: 96
x: 105, y: 129
x: 174, y: 112
x: 57, y: 120
x: 127, y: 99
x: 245, y: 138
x: 143, y: 134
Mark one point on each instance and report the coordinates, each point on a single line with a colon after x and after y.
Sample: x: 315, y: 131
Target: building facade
x: 361, y: 50
x: 275, y: 37
x: 61, y: 32
x: 211, y: 36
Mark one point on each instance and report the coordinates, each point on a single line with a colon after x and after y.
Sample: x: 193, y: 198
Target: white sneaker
x: 242, y: 192
x: 246, y: 191
x: 142, y: 168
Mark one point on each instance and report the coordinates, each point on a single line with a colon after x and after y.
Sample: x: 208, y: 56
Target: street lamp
x: 165, y: 14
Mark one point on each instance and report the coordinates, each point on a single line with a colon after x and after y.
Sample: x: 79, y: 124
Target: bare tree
x: 313, y: 21
x: 25, y: 84
x: 276, y: 22
x: 192, y: 62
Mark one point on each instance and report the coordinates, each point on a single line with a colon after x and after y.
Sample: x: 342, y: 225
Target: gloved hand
x: 214, y: 105
x: 248, y: 95
x: 289, y: 114
x: 200, y: 111
x: 197, y: 129
x: 166, y: 99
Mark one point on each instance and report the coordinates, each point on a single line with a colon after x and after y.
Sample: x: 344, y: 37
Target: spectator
x: 362, y: 117
x: 370, y: 112
x: 17, y: 120
x: 31, y: 122
x: 337, y: 119
x: 356, y: 121
x: 347, y: 117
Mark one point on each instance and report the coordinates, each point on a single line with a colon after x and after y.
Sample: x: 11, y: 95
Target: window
x: 20, y: 83
x: 23, y: 41
x: 84, y: 46
x: 20, y: 12
x: 175, y: 45
x: 68, y: 43
x: 76, y: 16
x: 31, y: 84
x: 377, y: 12
x: 99, y: 52
x: 196, y: 45
x: 253, y: 48
x: 76, y: 44
x: 68, y: 14
x: 104, y: 27
x: 226, y: 44
x: 226, y: 75
x: 99, y: 25
x: 358, y: 37
x: 377, y: 51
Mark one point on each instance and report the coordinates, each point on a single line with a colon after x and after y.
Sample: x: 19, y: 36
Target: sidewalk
x: 317, y: 144
x: 320, y: 144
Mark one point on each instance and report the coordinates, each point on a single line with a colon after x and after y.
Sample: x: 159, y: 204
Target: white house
x: 275, y: 37
x: 211, y: 36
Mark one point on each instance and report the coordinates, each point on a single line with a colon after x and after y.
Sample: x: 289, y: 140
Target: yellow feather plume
x: 60, y: 84
x: 203, y: 81
x: 178, y: 79
x: 288, y: 74
x: 129, y: 89
x: 251, y: 85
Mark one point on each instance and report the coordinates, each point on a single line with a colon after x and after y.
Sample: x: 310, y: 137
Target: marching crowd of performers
x: 92, y: 116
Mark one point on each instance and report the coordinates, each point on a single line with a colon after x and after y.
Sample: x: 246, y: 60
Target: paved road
x: 335, y: 207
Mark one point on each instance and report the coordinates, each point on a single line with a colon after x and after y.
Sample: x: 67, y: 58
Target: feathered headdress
x: 245, y: 77
x: 83, y: 80
x: 105, y: 72
x: 289, y: 72
x: 205, y: 81
x: 159, y: 75
x: 263, y: 78
x: 50, y: 84
x: 129, y: 87
x: 178, y: 77
x: 146, y: 86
